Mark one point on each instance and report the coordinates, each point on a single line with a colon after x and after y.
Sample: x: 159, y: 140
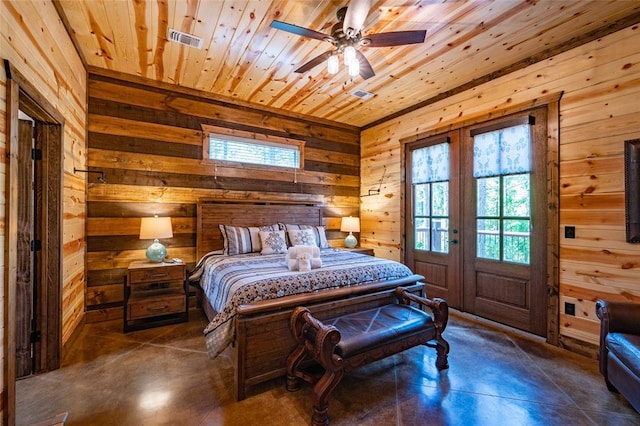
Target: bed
x: 251, y: 322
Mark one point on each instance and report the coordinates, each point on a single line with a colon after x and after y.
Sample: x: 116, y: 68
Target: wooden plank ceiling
x: 244, y: 59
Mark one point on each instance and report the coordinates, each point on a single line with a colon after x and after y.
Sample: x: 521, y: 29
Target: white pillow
x: 302, y: 237
x: 273, y: 242
x: 319, y: 233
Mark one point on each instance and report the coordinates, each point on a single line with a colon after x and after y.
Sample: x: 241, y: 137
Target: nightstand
x: 361, y: 250
x: 155, y: 294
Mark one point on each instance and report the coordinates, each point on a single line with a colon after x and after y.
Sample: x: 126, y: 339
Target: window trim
x: 249, y: 137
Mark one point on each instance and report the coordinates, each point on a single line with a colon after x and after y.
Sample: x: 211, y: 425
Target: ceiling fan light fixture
x: 349, y: 55
x: 354, y: 68
x: 345, y: 35
x: 333, y: 64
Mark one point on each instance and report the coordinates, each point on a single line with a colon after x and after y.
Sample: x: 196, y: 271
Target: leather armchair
x: 620, y: 348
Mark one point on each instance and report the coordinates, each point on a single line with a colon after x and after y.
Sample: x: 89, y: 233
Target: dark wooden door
x: 505, y: 225
x: 432, y: 215
x: 24, y: 282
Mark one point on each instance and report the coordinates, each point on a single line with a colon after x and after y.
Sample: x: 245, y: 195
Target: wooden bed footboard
x: 262, y: 336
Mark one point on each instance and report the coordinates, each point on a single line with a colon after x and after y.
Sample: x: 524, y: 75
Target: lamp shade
x: 155, y: 227
x: 350, y: 224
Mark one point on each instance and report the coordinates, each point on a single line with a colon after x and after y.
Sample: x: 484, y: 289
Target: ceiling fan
x: 346, y: 37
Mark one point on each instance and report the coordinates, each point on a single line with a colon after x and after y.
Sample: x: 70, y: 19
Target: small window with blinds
x: 253, y: 149
x: 226, y: 148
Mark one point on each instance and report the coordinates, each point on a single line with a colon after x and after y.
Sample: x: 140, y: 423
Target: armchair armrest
x: 615, y: 317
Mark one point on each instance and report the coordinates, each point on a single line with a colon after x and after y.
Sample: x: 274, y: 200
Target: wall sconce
x: 376, y: 191
x: 155, y: 228
x: 350, y: 224
x: 101, y: 178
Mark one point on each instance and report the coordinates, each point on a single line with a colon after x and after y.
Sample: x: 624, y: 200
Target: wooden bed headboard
x: 212, y: 213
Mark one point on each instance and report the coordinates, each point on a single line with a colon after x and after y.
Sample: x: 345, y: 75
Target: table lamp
x: 155, y: 228
x: 350, y: 224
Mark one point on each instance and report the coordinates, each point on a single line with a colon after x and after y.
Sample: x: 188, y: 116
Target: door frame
x: 22, y: 95
x: 552, y: 103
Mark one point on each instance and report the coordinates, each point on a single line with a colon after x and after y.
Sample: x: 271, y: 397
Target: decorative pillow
x: 319, y: 233
x: 302, y: 237
x: 240, y: 240
x: 273, y: 242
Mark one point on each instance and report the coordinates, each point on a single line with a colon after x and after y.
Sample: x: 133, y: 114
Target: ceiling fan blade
x: 315, y: 61
x: 395, y: 38
x: 366, y: 71
x: 301, y: 31
x: 357, y: 12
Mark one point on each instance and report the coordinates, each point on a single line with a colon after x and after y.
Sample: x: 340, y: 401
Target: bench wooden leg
x: 293, y: 362
x: 321, y: 392
x: 442, y: 350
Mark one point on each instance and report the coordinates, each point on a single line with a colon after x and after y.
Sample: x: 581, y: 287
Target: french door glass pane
x: 488, y: 231
x: 488, y: 196
x: 516, y: 241
x: 421, y: 197
x: 440, y: 235
x: 516, y: 196
x: 504, y: 213
x: 422, y: 233
x: 440, y: 200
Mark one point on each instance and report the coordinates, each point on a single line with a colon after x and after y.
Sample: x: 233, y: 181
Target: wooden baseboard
x: 580, y: 347
x: 74, y: 336
x: 106, y: 314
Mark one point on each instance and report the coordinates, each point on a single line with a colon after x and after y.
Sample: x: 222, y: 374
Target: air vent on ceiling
x: 184, y: 38
x: 362, y: 94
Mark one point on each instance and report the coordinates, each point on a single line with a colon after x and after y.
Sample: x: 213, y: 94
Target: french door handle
x: 454, y: 241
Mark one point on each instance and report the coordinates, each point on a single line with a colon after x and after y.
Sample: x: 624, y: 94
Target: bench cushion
x: 362, y: 331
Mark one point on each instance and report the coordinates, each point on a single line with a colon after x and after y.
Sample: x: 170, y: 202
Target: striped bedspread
x: 230, y: 281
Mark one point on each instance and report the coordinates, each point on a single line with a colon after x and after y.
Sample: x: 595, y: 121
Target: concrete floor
x: 163, y: 376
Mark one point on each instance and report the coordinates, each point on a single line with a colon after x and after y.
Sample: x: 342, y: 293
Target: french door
x: 477, y: 231
x: 432, y: 214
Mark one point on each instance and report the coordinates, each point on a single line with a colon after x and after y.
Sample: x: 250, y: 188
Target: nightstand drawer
x: 141, y: 288
x: 157, y: 274
x: 151, y: 307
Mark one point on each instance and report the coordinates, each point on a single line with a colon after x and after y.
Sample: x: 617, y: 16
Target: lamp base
x: 350, y: 241
x: 156, y: 252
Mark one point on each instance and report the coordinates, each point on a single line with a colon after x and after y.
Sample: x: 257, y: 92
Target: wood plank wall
x: 599, y: 111
x: 147, y: 139
x: 41, y: 50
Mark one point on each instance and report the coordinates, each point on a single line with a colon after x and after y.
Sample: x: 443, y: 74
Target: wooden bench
x: 346, y: 342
